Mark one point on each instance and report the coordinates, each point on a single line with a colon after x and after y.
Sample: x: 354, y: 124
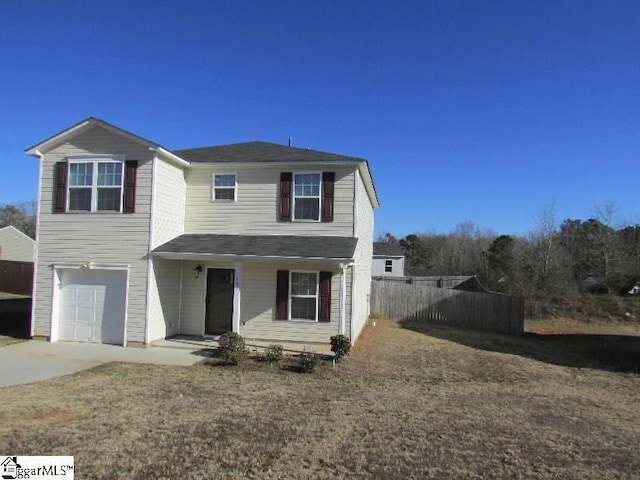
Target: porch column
x: 343, y: 298
x: 237, y: 282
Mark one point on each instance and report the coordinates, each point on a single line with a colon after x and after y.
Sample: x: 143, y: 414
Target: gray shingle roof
x: 289, y: 246
x: 389, y: 249
x: 259, y: 152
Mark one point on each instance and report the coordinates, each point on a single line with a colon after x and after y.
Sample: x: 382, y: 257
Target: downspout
x: 343, y: 297
x: 35, y: 257
x: 180, y: 298
x: 147, y: 320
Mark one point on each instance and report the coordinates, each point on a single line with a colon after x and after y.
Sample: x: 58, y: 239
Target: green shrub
x: 340, y: 346
x: 308, y: 362
x: 232, y: 348
x: 274, y: 353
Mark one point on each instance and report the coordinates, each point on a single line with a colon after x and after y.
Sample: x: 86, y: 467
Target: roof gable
x: 82, y: 126
x: 10, y: 229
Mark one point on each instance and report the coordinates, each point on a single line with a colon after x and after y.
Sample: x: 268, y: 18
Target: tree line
x: 591, y: 255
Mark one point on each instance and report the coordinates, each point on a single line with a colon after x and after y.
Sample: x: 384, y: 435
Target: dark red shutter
x: 130, y: 174
x: 285, y: 196
x: 282, y: 295
x: 324, y: 302
x: 60, y: 200
x: 328, y: 182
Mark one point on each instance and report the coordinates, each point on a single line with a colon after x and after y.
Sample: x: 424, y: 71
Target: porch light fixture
x: 197, y: 271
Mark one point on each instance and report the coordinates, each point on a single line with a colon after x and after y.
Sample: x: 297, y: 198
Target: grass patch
x: 11, y: 296
x: 5, y: 340
x: 610, y: 307
x: 411, y: 401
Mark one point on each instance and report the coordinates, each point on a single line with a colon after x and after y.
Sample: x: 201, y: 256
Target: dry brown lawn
x: 6, y: 340
x: 411, y: 401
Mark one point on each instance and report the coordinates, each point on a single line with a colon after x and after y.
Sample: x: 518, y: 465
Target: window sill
x: 301, y: 320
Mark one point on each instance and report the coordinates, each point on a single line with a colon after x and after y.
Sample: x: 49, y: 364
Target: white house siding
x: 256, y: 209
x: 113, y: 238
x: 363, y: 257
x: 258, y: 297
x: 168, y: 223
x: 379, y: 263
x: 164, y: 298
x: 15, y: 245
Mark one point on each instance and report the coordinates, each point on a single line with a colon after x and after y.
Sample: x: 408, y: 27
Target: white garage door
x: 92, y: 305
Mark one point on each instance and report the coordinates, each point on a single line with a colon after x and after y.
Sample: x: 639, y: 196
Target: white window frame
x: 388, y: 263
x: 94, y: 182
x: 294, y: 197
x: 316, y: 296
x: 213, y: 187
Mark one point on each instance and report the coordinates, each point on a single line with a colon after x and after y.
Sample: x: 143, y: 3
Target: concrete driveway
x: 34, y: 361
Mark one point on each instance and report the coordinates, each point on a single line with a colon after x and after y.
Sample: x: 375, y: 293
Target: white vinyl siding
x: 16, y: 246
x: 363, y: 257
x: 164, y: 298
x: 256, y: 210
x: 164, y: 291
x: 108, y: 238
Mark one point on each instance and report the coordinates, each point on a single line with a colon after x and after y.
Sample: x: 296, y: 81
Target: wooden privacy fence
x: 491, y: 312
x: 16, y: 277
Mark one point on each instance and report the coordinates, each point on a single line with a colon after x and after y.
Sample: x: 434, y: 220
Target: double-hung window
x: 95, y: 185
x: 225, y: 187
x: 304, y: 296
x: 388, y: 266
x: 306, y: 196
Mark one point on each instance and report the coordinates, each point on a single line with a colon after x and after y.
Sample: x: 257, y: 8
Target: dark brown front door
x: 219, y: 312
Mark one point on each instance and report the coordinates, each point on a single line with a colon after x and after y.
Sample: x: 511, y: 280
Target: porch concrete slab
x: 34, y: 361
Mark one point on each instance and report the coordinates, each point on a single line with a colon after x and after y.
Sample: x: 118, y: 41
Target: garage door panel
x: 92, y: 306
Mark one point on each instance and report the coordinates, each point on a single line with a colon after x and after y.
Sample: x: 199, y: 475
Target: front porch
x: 295, y: 300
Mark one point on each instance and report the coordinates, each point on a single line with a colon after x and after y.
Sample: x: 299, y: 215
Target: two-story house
x: 137, y: 243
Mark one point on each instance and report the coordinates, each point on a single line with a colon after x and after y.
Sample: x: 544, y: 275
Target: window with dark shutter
x: 328, y: 182
x: 282, y: 295
x: 285, y: 196
x: 324, y: 302
x: 60, y: 200
x: 129, y: 202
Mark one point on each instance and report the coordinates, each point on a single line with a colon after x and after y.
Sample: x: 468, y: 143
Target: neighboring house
x: 388, y: 260
x: 137, y: 243
x: 15, y: 245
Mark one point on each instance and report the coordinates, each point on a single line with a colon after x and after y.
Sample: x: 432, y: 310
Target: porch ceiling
x: 259, y: 246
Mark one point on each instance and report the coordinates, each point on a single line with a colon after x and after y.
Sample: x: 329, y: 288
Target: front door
x: 219, y: 311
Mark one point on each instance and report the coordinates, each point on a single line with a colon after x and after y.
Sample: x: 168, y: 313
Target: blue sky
x: 482, y: 111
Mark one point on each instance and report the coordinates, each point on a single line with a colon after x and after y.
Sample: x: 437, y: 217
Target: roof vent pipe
x: 290, y: 141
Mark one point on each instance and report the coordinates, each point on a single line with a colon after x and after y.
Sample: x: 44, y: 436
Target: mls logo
x: 9, y: 468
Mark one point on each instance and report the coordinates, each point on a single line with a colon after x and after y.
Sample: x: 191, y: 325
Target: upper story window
x: 95, y: 185
x: 306, y: 196
x: 388, y: 266
x: 225, y: 187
